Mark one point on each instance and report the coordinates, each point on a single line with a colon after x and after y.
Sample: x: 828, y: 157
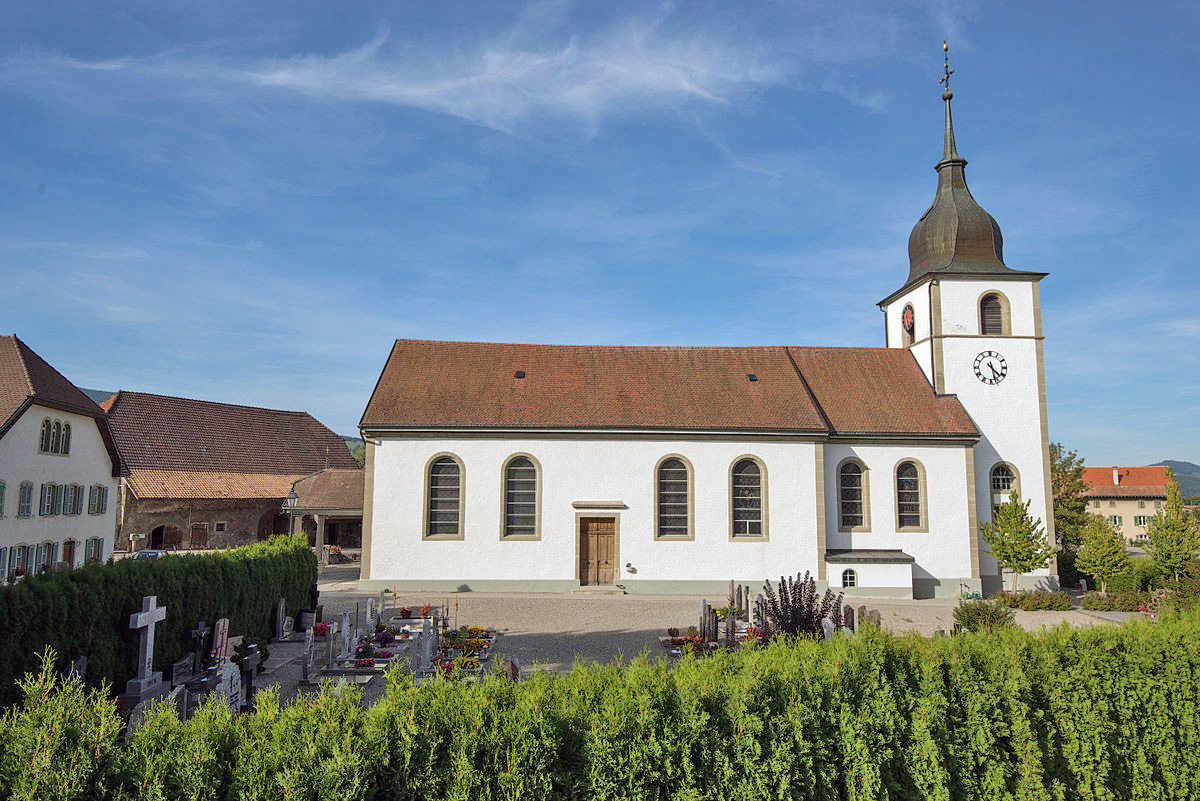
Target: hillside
x: 1186, y: 473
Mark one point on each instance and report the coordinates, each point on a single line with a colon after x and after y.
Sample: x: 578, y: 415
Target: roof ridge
x: 21, y: 348
x: 211, y: 402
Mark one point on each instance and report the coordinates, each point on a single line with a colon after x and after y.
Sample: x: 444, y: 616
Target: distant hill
x: 98, y: 395
x: 1186, y: 473
x: 355, y: 445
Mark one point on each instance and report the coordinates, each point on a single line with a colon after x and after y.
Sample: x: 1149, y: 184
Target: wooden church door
x: 597, y: 550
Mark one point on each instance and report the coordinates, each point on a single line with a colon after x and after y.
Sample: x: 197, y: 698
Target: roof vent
x: 519, y: 374
x: 751, y: 377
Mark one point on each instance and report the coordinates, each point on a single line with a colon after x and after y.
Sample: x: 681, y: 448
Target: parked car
x: 150, y: 554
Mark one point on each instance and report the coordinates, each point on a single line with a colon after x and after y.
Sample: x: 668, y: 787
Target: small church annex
x: 515, y: 467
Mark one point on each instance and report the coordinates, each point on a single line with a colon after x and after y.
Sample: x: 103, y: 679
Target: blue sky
x: 248, y: 202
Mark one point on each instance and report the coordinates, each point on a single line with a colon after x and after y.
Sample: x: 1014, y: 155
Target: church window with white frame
x: 520, y: 498
x: 748, y: 499
x: 852, y: 496
x: 910, y: 496
x: 849, y: 578
x: 444, y: 490
x: 673, y: 503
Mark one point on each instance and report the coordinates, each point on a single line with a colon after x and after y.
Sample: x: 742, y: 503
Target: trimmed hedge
x: 1116, y: 601
x: 86, y: 611
x: 1035, y: 600
x: 1104, y: 712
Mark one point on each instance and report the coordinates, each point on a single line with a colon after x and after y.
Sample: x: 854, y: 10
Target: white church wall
x: 88, y: 463
x: 590, y: 470
x: 873, y: 579
x: 960, y: 304
x: 943, y: 552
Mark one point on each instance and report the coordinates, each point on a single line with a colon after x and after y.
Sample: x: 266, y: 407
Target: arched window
x: 66, y: 438
x: 849, y: 578
x: 47, y: 434
x: 520, y: 498
x: 991, y: 315
x: 1004, y: 482
x: 56, y: 438
x: 748, y: 499
x: 2, y: 488
x: 910, y: 496
x: 673, y: 501
x: 25, y: 499
x: 852, y: 497
x: 443, y: 505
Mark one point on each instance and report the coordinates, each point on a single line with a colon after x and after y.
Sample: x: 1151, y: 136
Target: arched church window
x: 56, y: 438
x: 991, y: 316
x: 443, y: 516
x: 849, y: 578
x: 910, y: 506
x: 852, y: 497
x: 46, y: 436
x: 747, y: 500
x: 1003, y: 478
x: 673, y: 504
x: 520, y: 498
x: 66, y: 438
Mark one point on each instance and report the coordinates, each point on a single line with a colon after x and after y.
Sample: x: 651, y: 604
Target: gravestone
x: 875, y: 618
x: 249, y: 665
x: 220, y: 641
x: 371, y: 617
x: 149, y: 682
x: 306, y: 660
x: 848, y: 617
x: 199, y: 640
x: 229, y: 686
x: 345, y: 631
x: 1083, y: 584
x: 827, y: 628
x: 277, y: 616
x: 289, y: 626
x: 182, y: 671
x: 426, y: 644
x: 847, y: 633
x: 331, y: 658
x: 512, y: 669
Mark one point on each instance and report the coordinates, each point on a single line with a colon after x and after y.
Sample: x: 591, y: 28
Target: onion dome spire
x: 955, y: 235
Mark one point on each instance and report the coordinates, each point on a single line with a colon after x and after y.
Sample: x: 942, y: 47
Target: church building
x: 513, y: 467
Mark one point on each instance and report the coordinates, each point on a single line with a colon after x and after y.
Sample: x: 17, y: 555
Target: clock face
x: 990, y: 367
x: 908, y: 318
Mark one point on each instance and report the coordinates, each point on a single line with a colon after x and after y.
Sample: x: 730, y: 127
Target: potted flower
x: 426, y: 610
x: 406, y: 612
x: 364, y: 650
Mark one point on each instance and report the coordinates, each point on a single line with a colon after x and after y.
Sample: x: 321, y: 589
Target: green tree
x: 1103, y: 554
x: 1174, y: 535
x: 1017, y: 541
x: 1070, y: 507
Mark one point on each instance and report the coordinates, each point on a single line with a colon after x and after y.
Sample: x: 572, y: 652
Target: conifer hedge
x: 85, y: 611
x: 1100, y: 713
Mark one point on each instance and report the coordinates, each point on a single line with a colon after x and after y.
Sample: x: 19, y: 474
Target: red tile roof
x: 26, y: 378
x: 1135, y: 482
x: 330, y: 489
x: 472, y: 384
x: 183, y: 448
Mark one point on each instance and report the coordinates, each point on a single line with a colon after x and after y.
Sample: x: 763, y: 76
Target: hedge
x: 1105, y: 712
x: 85, y: 611
x: 1116, y: 601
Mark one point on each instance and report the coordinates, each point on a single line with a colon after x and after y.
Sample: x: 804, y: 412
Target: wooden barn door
x: 199, y: 535
x: 597, y: 550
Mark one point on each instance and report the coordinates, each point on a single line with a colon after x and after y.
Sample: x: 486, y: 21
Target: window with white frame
x: 4, y: 571
x: 520, y: 498
x: 18, y: 560
x: 674, y: 504
x: 45, y: 437
x: 852, y: 496
x: 93, y: 550
x: 25, y: 499
x: 1141, y: 504
x: 66, y: 439
x: 1116, y: 520
x: 46, y: 504
x: 1142, y: 520
x: 2, y: 488
x: 849, y: 578
x: 910, y: 507
x: 747, y: 499
x: 56, y: 438
x: 444, y: 498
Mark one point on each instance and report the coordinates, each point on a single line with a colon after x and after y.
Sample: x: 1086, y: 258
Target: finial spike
x: 945, y: 79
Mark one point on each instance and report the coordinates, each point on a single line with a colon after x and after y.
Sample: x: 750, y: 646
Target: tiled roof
x: 473, y: 384
x: 330, y: 489
x: 1135, y: 482
x: 226, y: 449
x: 864, y: 556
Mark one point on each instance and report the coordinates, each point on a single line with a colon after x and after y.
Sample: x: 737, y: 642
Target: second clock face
x: 990, y: 367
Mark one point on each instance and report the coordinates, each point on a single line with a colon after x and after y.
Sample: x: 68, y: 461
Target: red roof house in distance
x: 203, y: 474
x: 1127, y: 496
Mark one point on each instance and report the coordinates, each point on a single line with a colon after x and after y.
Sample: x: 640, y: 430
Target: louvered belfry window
x: 520, y: 498
x: 445, y: 484
x: 747, y: 499
x: 991, y: 316
x: 672, y: 499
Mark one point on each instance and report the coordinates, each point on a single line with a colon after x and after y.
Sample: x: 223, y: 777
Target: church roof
x: 1131, y: 482
x: 830, y: 391
x: 184, y: 448
x: 26, y: 379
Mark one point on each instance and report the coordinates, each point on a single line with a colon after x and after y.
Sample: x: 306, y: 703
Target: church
x: 514, y: 467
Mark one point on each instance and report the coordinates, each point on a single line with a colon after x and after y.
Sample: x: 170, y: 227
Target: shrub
x: 1116, y: 601
x: 86, y: 611
x: 1141, y: 576
x: 983, y: 614
x: 1034, y: 600
x: 797, y: 609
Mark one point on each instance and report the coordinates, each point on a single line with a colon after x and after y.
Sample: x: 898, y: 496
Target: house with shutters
x: 1126, y: 496
x: 59, y: 467
x: 524, y: 467
x: 202, y: 474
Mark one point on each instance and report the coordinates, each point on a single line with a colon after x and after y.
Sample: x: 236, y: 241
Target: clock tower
x: 974, y: 326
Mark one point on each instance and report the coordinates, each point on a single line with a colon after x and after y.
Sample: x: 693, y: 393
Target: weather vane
x: 945, y: 79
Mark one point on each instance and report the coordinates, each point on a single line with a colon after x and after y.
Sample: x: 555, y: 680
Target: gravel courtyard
x: 549, y: 631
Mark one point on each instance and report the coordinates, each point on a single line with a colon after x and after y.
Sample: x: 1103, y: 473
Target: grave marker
x: 199, y: 637
x: 229, y: 686
x: 149, y: 683
x: 875, y: 618
x: 862, y: 615
x: 277, y: 617
x: 306, y: 660
x: 827, y: 628
x: 220, y: 641
x: 345, y: 631
x: 848, y: 617
x: 249, y: 664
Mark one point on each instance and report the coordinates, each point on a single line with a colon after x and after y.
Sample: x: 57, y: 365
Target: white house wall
x: 87, y: 464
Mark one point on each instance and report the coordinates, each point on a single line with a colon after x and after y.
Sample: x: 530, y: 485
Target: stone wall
x: 193, y: 523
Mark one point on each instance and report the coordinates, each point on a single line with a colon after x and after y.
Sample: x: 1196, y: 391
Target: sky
x: 248, y: 202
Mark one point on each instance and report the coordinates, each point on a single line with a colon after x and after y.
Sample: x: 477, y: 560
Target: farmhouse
x: 673, y: 469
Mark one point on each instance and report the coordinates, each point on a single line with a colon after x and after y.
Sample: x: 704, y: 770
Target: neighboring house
x: 1127, y: 496
x: 59, y: 467
x: 329, y: 507
x: 675, y: 469
x: 208, y: 475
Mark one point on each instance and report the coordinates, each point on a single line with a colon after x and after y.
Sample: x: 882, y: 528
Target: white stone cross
x: 148, y: 684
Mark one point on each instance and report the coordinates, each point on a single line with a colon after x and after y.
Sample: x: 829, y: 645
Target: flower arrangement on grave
x: 466, y: 663
x: 385, y: 637
x: 475, y: 631
x: 404, y: 635
x: 672, y: 632
x: 426, y: 610
x: 320, y: 629
x: 384, y: 654
x: 364, y: 649
x: 693, y: 631
x: 726, y: 612
x: 20, y: 571
x: 406, y: 612
x: 380, y: 627
x: 364, y: 662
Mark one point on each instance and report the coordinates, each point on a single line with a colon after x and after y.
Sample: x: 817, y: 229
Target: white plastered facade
x: 88, y: 464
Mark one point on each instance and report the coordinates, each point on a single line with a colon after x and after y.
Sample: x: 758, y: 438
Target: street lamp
x: 289, y: 503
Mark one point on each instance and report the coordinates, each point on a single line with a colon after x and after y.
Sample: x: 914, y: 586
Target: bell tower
x: 974, y: 326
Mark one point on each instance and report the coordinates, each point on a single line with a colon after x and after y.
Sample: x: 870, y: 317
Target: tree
x: 1017, y: 541
x: 1174, y: 535
x: 1103, y: 554
x: 1070, y: 507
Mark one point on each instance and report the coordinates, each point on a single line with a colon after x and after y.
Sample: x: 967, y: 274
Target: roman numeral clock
x: 990, y: 367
